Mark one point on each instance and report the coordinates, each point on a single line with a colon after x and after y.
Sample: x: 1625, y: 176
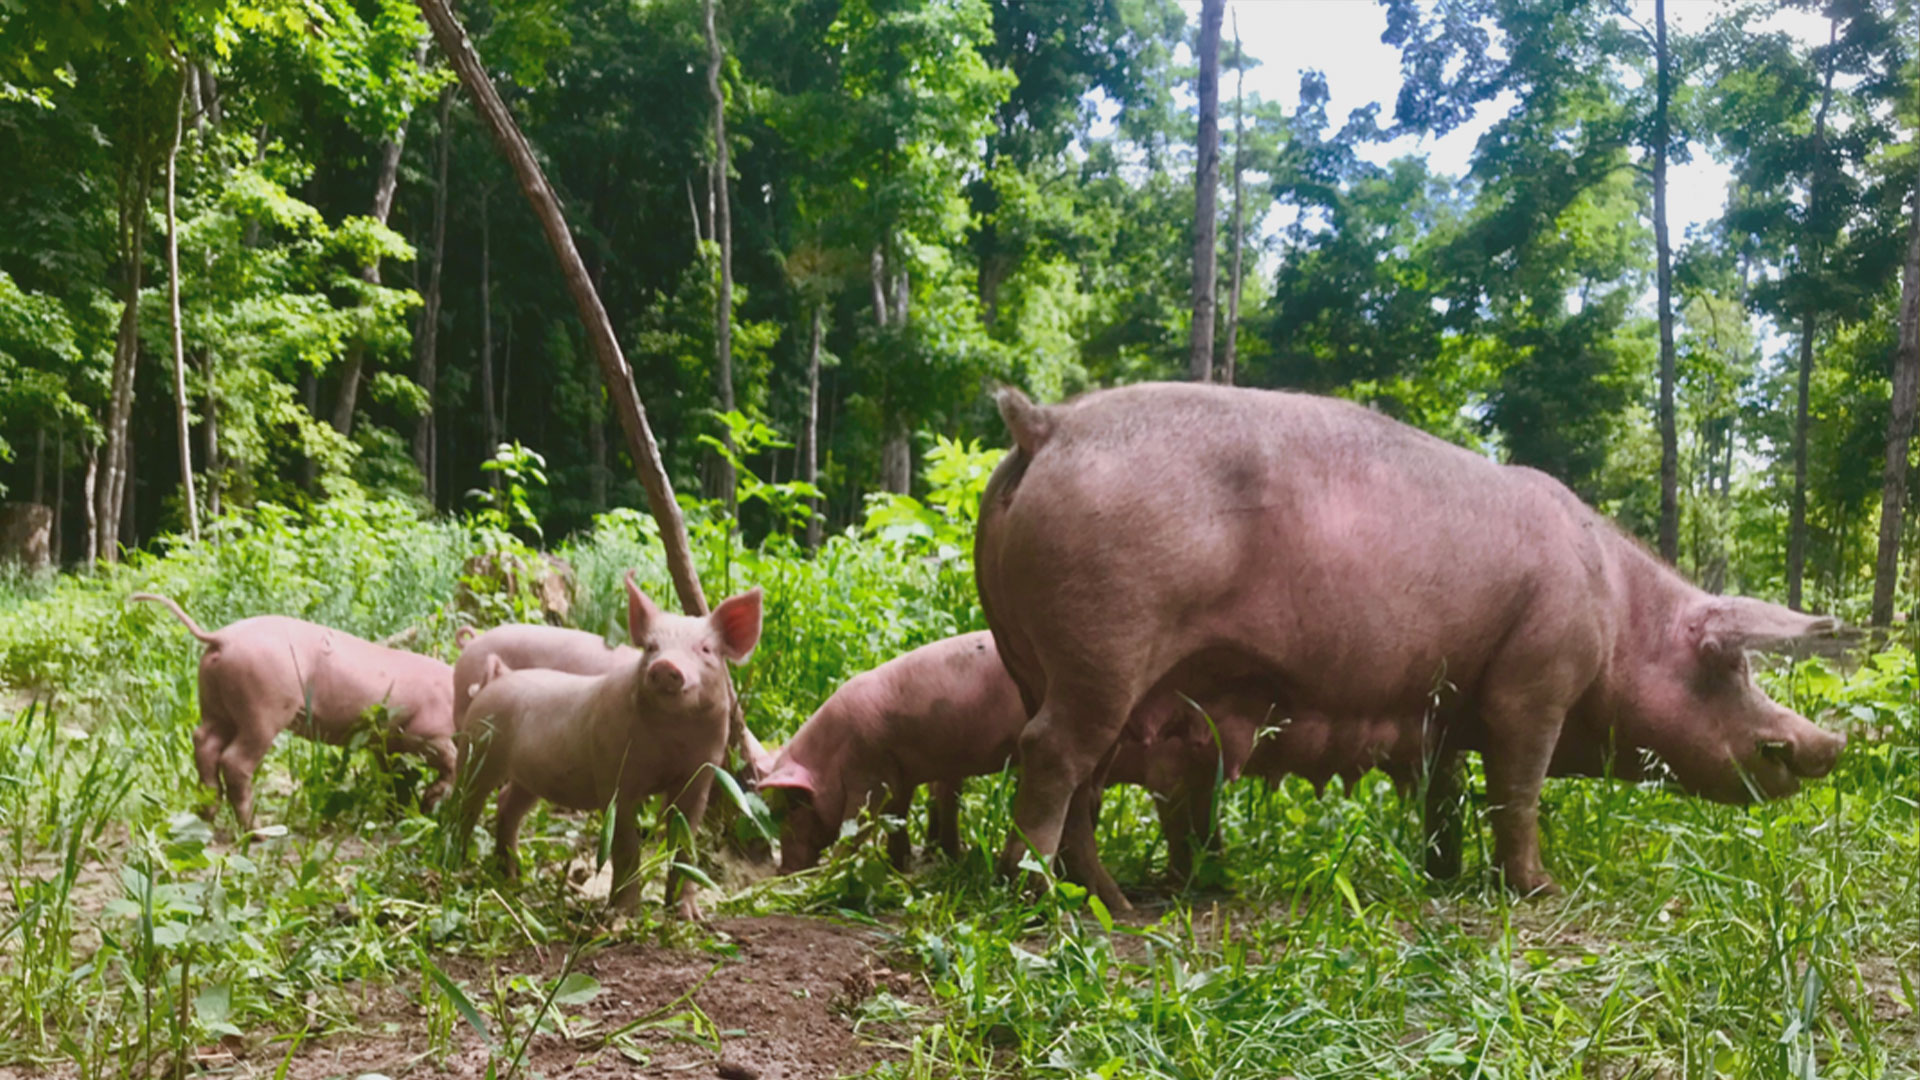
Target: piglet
x: 574, y: 651
x: 654, y: 723
x: 936, y: 716
x: 263, y: 675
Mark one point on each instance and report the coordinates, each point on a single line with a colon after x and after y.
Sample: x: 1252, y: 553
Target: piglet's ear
x: 642, y: 614
x: 1734, y: 624
x: 737, y: 622
x: 788, y: 776
x: 760, y: 759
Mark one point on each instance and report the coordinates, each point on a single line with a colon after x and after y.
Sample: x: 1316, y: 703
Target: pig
x: 654, y: 723
x: 936, y: 716
x: 1396, y: 600
x: 575, y: 651
x: 264, y: 675
x: 531, y: 646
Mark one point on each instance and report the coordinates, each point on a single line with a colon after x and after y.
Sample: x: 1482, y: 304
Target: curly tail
x: 1031, y: 425
x: 185, y: 619
x: 464, y: 636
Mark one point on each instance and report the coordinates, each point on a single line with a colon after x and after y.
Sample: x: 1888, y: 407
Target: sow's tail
x: 185, y: 619
x: 1031, y: 425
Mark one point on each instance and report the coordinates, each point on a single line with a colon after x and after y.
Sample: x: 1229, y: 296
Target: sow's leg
x: 1080, y: 850
x: 1059, y: 751
x: 1522, y: 730
x: 1443, y: 817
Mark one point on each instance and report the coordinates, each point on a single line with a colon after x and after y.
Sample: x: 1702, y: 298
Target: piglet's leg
x: 514, y: 802
x: 237, y: 763
x: 440, y: 754
x: 899, y: 842
x: 626, y: 856
x: 943, y: 817
x: 692, y: 804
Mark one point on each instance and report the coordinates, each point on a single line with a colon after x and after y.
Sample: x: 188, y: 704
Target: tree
x: 386, y: 179
x: 1802, y: 150
x: 182, y: 412
x: 1206, y: 187
x: 1663, y: 253
x: 1239, y: 207
x: 723, y: 236
x: 606, y: 348
x: 427, y: 339
x: 1900, y: 424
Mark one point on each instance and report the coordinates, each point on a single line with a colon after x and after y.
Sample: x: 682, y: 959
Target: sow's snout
x: 1779, y: 760
x: 1810, y: 756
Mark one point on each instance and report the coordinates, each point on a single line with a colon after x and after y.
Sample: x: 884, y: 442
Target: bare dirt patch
x: 781, y: 1006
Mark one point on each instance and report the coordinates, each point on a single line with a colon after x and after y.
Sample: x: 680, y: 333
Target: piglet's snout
x: 666, y: 677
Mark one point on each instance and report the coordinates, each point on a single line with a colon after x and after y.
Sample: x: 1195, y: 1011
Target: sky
x: 1341, y: 38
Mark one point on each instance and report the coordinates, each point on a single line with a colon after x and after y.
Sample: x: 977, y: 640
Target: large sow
x: 1394, y: 601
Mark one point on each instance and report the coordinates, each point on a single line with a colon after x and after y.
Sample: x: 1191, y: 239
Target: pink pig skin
x: 533, y: 646
x: 655, y: 723
x: 575, y: 652
x: 936, y: 716
x: 255, y: 679
x: 1393, y: 600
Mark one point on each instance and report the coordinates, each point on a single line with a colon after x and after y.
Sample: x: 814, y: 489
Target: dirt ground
x: 782, y: 1008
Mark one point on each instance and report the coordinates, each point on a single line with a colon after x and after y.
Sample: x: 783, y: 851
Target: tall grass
x: 1695, y: 941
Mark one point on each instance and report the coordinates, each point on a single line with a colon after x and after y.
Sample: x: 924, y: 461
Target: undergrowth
x: 1694, y: 940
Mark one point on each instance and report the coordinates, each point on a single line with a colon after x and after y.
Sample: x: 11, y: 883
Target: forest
x: 356, y: 311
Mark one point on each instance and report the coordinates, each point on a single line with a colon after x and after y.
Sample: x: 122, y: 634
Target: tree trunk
x: 54, y: 542
x: 310, y: 394
x: 1797, y: 521
x: 597, y: 452
x: 877, y: 271
x: 1232, y: 355
x: 183, y: 414
x: 129, y: 488
x: 1669, y: 431
x: 492, y: 433
x: 40, y: 464
x: 384, y: 184
x: 606, y: 348
x: 896, y: 464
x: 810, y: 435
x: 424, y: 435
x: 1906, y: 393
x: 87, y: 491
x: 723, y: 232
x: 1206, y: 183
x: 109, y: 492
x: 211, y: 453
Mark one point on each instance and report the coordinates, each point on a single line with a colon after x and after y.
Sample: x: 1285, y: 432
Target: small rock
x: 733, y: 1070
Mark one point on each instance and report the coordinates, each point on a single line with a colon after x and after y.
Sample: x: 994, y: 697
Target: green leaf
x: 576, y: 989
x: 458, y: 997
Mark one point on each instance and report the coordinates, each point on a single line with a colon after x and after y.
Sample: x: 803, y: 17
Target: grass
x: 1694, y: 940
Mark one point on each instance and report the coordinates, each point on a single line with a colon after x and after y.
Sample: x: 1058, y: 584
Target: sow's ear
x: 1728, y: 625
x: 737, y: 621
x: 642, y: 613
